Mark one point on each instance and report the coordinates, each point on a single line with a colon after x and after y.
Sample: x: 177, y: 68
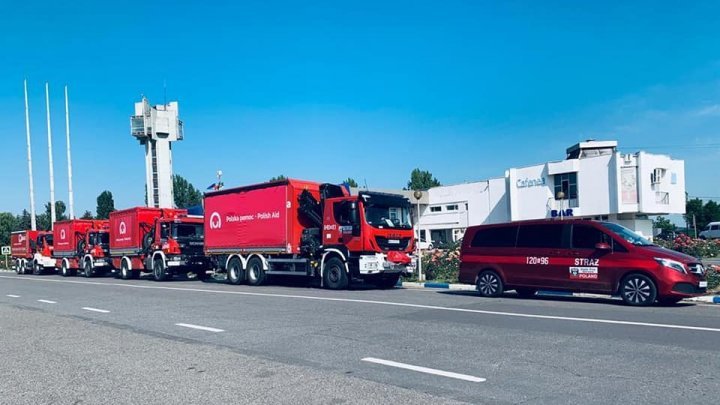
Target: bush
x: 700, y: 248
x: 713, y: 277
x: 442, y: 265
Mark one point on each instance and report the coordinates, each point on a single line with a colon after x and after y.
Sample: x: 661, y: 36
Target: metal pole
x: 419, y: 254
x: 33, y: 223
x: 69, y: 159
x: 50, y: 158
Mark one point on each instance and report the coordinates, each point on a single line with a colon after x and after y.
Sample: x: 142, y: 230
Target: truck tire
x: 37, y: 269
x: 19, y: 267
x: 334, y: 275
x: 87, y: 269
x: 125, y: 272
x: 235, y: 272
x: 64, y: 271
x: 159, y: 273
x: 255, y: 272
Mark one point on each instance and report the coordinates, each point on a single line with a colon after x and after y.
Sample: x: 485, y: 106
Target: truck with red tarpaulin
x: 162, y: 241
x: 22, y: 249
x: 303, y: 228
x: 82, y: 244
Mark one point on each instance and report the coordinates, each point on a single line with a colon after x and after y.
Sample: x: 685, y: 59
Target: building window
x: 453, y: 207
x: 435, y: 209
x: 567, y: 183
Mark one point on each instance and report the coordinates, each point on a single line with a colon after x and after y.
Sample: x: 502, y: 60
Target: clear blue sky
x: 370, y: 90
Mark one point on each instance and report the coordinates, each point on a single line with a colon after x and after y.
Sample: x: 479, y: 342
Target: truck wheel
x: 125, y: 272
x: 235, y: 273
x: 388, y: 282
x: 19, y: 267
x: 255, y: 271
x: 64, y: 271
x: 159, y: 270
x: 87, y: 269
x: 638, y: 290
x: 334, y: 274
x: 37, y: 269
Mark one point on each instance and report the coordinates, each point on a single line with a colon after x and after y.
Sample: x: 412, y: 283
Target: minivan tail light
x: 671, y: 264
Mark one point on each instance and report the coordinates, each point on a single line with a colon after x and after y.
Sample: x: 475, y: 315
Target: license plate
x: 394, y: 241
x: 703, y: 284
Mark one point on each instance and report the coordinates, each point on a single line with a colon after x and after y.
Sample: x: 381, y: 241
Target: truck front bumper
x: 378, y: 264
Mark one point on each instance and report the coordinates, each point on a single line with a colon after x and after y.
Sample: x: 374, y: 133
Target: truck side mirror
x: 355, y: 218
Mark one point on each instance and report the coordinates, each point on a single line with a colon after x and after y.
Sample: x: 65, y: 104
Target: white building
x: 594, y: 181
x: 155, y: 128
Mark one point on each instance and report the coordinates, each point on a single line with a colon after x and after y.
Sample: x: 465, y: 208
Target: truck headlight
x: 671, y: 264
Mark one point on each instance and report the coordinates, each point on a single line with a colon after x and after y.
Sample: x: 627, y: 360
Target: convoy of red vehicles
x: 320, y: 231
x: 288, y: 227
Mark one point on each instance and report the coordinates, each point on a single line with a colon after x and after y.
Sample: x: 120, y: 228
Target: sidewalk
x: 708, y: 299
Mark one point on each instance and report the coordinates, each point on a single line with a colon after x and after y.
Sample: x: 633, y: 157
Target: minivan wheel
x: 638, y: 290
x: 489, y: 284
x: 525, y: 292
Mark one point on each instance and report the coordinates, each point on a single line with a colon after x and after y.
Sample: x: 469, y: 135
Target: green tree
x: 694, y: 210
x: 711, y: 212
x: 23, y: 221
x: 184, y: 193
x: 7, y: 224
x: 422, y: 180
x: 663, y: 224
x: 87, y: 215
x: 278, y: 178
x: 105, y: 205
x: 351, y: 182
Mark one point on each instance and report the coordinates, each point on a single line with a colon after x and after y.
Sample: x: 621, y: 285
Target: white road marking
x: 425, y: 370
x: 13, y: 296
x: 102, y: 311
x: 388, y: 303
x: 47, y: 301
x: 205, y: 328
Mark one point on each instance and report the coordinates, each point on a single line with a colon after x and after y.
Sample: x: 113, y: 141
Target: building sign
x: 561, y: 213
x: 525, y: 183
x: 628, y: 184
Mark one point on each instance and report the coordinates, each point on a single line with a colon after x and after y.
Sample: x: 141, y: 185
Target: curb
x: 710, y: 299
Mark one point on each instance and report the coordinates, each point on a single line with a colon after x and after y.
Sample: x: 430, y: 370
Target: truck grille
x: 389, y: 243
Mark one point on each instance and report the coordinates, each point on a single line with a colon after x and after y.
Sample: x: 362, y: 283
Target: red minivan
x: 576, y: 255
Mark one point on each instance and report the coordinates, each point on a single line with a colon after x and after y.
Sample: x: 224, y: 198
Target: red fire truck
x: 82, y: 244
x: 22, y: 249
x: 162, y: 241
x: 302, y: 228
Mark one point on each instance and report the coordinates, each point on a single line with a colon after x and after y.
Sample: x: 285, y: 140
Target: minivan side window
x: 501, y: 236
x: 541, y: 236
x: 715, y: 227
x: 585, y: 237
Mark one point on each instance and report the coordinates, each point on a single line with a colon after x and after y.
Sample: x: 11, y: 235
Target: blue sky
x: 370, y: 90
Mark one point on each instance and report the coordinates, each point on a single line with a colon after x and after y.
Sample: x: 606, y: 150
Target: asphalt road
x: 111, y: 341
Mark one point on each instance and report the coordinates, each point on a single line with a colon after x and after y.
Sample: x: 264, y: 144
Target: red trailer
x: 22, y: 249
x: 158, y: 240
x: 303, y: 228
x: 82, y: 244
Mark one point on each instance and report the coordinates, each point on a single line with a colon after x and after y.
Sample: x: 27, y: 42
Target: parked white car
x: 711, y: 231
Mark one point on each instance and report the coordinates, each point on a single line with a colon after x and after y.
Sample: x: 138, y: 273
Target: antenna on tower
x: 50, y: 157
x: 33, y: 224
x: 69, y: 159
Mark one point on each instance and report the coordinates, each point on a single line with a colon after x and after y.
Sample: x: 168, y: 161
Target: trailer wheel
x: 125, y: 272
x: 19, y: 267
x: 87, y: 269
x: 235, y: 273
x: 64, y: 271
x: 334, y: 275
x: 255, y: 272
x: 159, y: 273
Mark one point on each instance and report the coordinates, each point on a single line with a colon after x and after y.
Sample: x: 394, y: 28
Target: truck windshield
x: 99, y: 238
x: 48, y: 239
x: 384, y: 216
x: 187, y: 231
x: 627, y: 234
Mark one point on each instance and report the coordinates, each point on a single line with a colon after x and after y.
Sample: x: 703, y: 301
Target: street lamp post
x: 418, y: 195
x: 561, y: 196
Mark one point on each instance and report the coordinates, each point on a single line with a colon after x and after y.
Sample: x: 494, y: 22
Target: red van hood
x: 658, y: 251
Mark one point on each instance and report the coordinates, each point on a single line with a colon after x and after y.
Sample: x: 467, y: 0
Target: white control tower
x: 155, y: 128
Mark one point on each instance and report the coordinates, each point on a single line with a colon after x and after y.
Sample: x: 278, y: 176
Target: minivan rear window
x: 502, y: 236
x: 540, y: 236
